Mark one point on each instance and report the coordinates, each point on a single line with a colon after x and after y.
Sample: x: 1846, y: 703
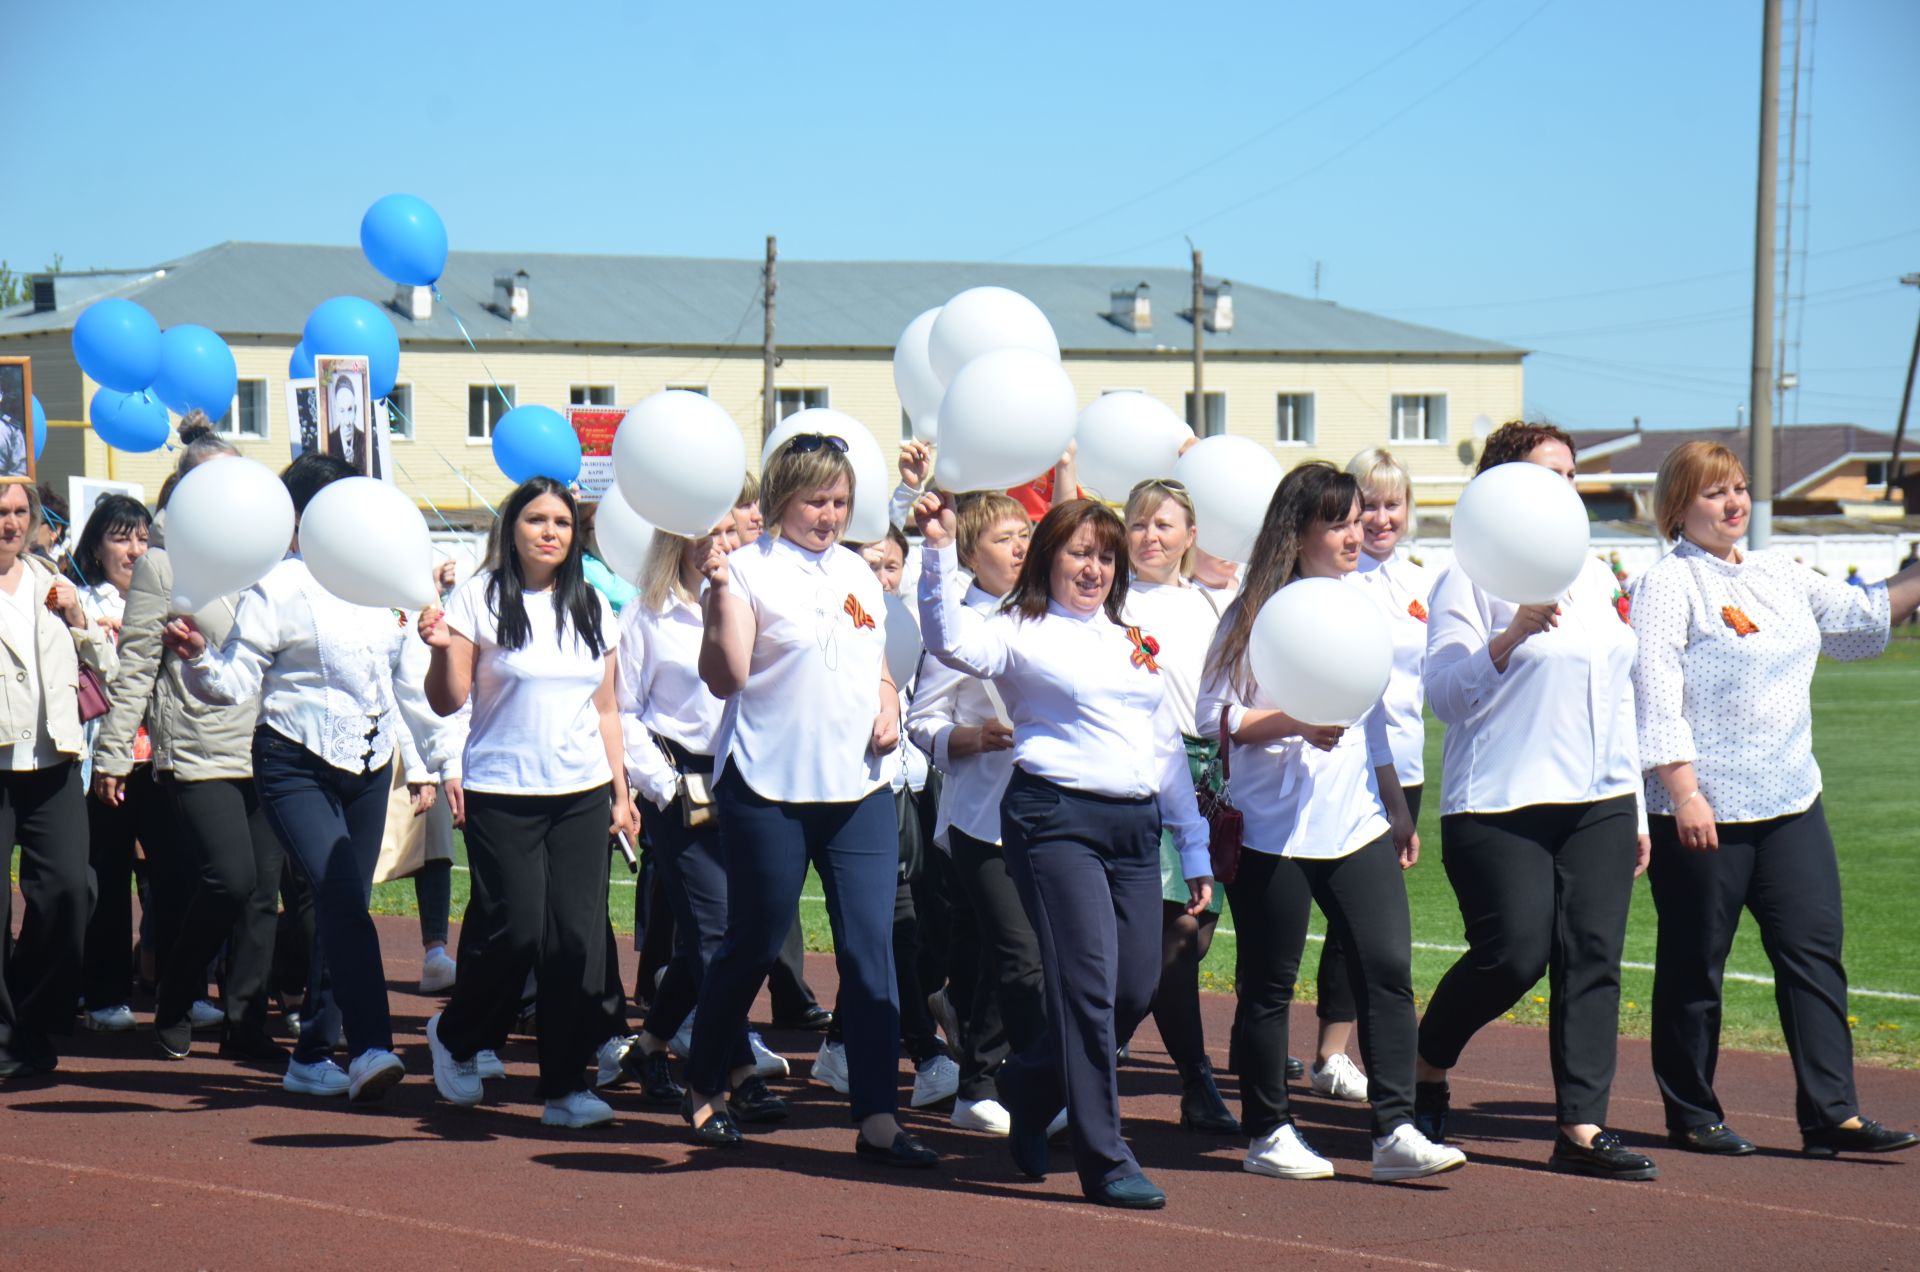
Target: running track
x: 122, y: 1160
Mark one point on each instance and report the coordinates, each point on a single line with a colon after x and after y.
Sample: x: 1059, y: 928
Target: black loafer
x: 175, y: 1038
x: 816, y: 1018
x: 654, y: 1075
x: 249, y: 1047
x: 1715, y: 1139
x: 718, y: 1131
x: 1296, y: 1068
x: 1432, y: 1102
x: 1868, y: 1137
x: 1135, y: 1192
x: 751, y: 1101
x: 1605, y: 1158
x: 905, y: 1152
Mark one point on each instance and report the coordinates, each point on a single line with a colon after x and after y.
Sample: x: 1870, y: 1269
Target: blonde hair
x: 1688, y: 469
x: 749, y: 491
x: 978, y: 516
x: 1378, y: 471
x: 660, y: 572
x: 790, y: 474
x: 1146, y: 498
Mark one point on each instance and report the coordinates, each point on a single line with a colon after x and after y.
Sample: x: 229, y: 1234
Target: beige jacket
x: 59, y: 652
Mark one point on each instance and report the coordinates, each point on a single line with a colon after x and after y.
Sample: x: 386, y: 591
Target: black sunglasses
x: 807, y: 443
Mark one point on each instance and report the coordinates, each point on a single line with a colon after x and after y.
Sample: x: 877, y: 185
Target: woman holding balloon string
x: 336, y: 709
x: 1326, y: 822
x: 1541, y: 830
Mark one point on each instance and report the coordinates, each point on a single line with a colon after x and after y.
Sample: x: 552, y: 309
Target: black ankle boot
x: 1201, y: 1108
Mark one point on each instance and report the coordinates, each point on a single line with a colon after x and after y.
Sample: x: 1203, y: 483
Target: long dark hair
x: 1312, y: 492
x: 112, y: 514
x: 1031, y: 592
x: 573, y: 597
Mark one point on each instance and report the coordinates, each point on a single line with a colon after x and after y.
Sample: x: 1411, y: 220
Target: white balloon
x: 868, y: 521
x: 1006, y: 419
x: 622, y: 535
x: 982, y: 319
x: 367, y: 543
x: 1231, y: 481
x: 1321, y: 651
x: 1520, y: 532
x: 229, y: 521
x: 913, y: 378
x: 1123, y: 439
x: 680, y: 461
x: 903, y: 642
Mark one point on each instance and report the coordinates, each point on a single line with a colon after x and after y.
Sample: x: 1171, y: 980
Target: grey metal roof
x: 267, y: 289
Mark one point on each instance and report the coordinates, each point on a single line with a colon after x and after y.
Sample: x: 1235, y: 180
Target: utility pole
x: 1197, y: 410
x: 769, y: 401
x: 1906, y: 400
x: 1760, y: 385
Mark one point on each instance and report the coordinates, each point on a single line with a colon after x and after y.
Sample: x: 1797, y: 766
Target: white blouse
x: 1557, y: 727
x: 1731, y: 696
x: 801, y: 729
x: 329, y: 674
x: 1181, y: 619
x: 1403, y: 589
x: 661, y: 692
x: 1089, y: 711
x: 973, y: 784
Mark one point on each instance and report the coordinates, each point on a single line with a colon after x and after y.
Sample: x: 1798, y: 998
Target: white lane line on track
x: 438, y: 1227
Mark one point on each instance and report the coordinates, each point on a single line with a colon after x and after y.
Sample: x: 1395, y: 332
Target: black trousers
x: 1783, y: 870
x: 1365, y: 900
x: 223, y: 830
x: 1009, y: 1011
x: 1543, y: 889
x: 1333, y: 985
x: 544, y: 859
x: 1088, y: 871
x: 692, y: 875
x: 44, y: 812
x: 106, y: 980
x: 787, y: 978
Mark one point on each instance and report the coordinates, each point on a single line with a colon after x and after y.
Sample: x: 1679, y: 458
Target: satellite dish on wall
x: 1482, y: 427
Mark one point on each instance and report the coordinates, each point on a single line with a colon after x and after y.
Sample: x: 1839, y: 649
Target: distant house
x: 1819, y: 469
x: 1305, y: 378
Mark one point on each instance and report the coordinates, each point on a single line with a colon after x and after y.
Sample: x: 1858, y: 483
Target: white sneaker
x: 935, y: 1079
x: 830, y: 1066
x: 458, y: 1081
x: 438, y: 972
x: 1341, y: 1079
x: 322, y: 1077
x: 1407, y: 1154
x: 1059, y: 1124
x: 608, y: 1072
x: 681, y: 1044
x: 981, y: 1115
x: 372, y: 1072
x: 1284, y: 1155
x: 767, y: 1063
x: 205, y: 1015
x: 582, y: 1108
x: 487, y: 1064
x: 940, y: 1007
x: 111, y: 1019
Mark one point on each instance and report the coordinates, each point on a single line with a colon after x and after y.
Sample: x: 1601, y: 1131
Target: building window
x: 790, y: 400
x: 1877, y: 472
x: 400, y: 413
x: 1293, y: 424
x: 1418, y: 417
x: 247, y: 417
x: 590, y: 395
x: 701, y: 389
x: 1215, y: 421
x: 484, y: 409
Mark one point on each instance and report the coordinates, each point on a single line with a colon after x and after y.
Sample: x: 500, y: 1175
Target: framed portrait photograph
x: 303, y: 416
x: 16, y: 419
x: 345, y: 423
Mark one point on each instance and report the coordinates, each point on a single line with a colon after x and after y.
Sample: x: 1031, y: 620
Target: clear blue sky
x: 1570, y: 176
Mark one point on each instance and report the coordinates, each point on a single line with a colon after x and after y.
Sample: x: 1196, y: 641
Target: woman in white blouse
x: 794, y: 641
x: 544, y: 781
x: 1540, y: 829
x: 332, y: 694
x: 1325, y: 823
x: 1161, y: 599
x: 44, y: 633
x: 1098, y: 769
x: 1728, y: 644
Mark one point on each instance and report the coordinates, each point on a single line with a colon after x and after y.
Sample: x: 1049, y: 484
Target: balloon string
x: 443, y: 459
x: 455, y: 315
x: 70, y: 565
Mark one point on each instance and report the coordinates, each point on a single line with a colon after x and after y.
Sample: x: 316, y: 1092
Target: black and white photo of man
x: 346, y: 414
x: 16, y: 421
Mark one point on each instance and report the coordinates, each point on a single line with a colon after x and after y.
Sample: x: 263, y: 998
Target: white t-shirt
x: 535, y: 730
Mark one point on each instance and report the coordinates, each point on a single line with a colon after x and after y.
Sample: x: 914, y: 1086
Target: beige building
x: 1305, y: 378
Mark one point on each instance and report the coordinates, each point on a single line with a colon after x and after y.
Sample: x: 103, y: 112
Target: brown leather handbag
x: 91, y: 691
x: 1225, y: 826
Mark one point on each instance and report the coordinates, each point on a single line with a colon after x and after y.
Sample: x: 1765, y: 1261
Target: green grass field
x: 1864, y: 716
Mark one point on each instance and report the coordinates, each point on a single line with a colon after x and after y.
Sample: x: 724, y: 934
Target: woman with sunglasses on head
x: 1098, y: 770
x: 1541, y: 830
x: 794, y: 642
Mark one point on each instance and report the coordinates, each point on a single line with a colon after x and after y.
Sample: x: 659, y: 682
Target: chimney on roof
x: 1219, y: 302
x: 1131, y: 308
x: 510, y: 296
x: 414, y: 302
x: 45, y: 294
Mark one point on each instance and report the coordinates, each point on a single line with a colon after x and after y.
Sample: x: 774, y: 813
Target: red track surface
x: 123, y: 1160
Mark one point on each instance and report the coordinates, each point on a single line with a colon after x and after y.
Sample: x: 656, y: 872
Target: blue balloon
x: 39, y: 429
x: 348, y: 326
x: 130, y: 421
x: 300, y: 365
x: 535, y: 441
x: 118, y: 344
x: 405, y: 239
x: 196, y: 372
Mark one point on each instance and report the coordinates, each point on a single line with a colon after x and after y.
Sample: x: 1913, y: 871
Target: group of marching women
x: 1033, y: 788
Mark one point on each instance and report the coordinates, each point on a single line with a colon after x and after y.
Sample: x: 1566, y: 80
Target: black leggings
x: 1009, y: 1011
x: 112, y: 830
x: 224, y: 831
x: 1333, y: 986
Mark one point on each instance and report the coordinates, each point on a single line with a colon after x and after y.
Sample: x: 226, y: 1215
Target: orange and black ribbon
x: 857, y: 612
x: 1415, y: 608
x: 1144, y: 649
x: 1735, y: 617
